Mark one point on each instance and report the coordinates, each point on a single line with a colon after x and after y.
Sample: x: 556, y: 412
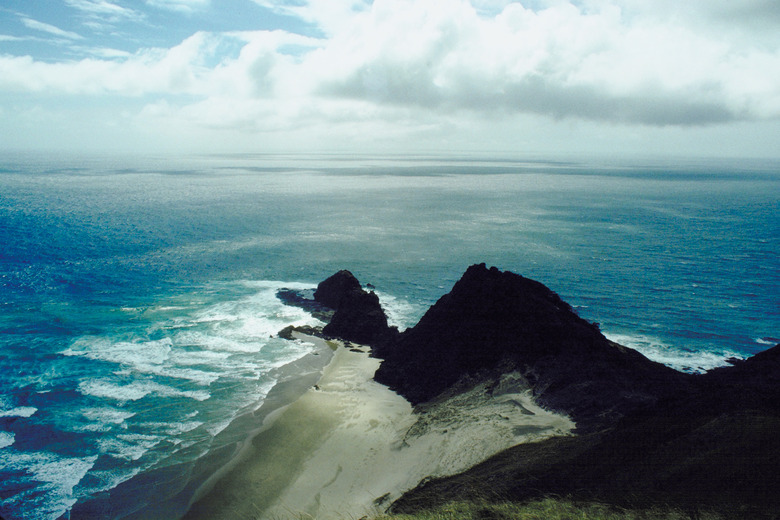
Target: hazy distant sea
x: 137, y: 295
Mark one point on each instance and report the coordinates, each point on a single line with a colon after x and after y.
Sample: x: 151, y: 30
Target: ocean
x: 138, y: 308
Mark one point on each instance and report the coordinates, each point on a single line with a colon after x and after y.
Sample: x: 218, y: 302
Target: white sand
x: 350, y: 447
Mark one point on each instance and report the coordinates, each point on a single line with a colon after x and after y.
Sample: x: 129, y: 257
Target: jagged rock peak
x: 503, y: 295
x: 331, y: 291
x: 495, y: 321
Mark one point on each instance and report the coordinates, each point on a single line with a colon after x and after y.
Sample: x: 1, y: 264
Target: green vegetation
x: 548, y: 509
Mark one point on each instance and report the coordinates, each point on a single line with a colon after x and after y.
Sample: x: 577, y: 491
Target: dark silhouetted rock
x: 289, y: 331
x: 331, y: 291
x: 751, y: 383
x: 493, y: 322
x: 712, y: 447
x: 359, y: 316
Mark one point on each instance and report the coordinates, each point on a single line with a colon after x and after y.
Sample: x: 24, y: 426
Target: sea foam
x: 20, y: 411
x: 57, y: 475
x: 6, y: 439
x: 682, y: 360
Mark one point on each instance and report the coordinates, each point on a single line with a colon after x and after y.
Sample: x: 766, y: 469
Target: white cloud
x: 103, y: 16
x: 105, y: 52
x: 48, y: 28
x: 104, y: 9
x: 560, y: 61
x: 178, y: 70
x: 405, y: 67
x: 185, y: 6
x: 331, y: 17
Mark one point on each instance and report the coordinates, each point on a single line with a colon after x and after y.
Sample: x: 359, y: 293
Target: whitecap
x: 217, y: 343
x: 107, y: 415
x: 400, y: 313
x: 168, y: 391
x: 136, y: 390
x: 129, y: 353
x: 216, y: 428
x: 20, y: 411
x: 6, y: 439
x: 130, y: 447
x: 58, y: 474
x: 105, y: 480
x: 108, y: 390
x: 199, y: 377
x: 64, y: 473
x: 173, y: 428
x: 682, y: 360
x: 190, y: 357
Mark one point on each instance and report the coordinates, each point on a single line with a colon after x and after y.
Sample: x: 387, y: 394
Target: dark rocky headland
x: 647, y: 435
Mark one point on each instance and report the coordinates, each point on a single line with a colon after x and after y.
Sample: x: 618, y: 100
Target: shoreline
x: 349, y: 446
x: 178, y: 486
x: 294, y: 379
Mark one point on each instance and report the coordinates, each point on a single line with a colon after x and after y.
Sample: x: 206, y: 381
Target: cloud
x: 330, y: 17
x: 48, y: 28
x: 181, y: 70
x: 184, y: 6
x: 105, y: 52
x: 560, y: 61
x: 174, y: 71
x: 411, y: 66
x: 102, y: 15
x: 103, y: 9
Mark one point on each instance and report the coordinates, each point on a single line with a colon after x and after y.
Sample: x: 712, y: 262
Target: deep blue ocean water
x: 137, y: 294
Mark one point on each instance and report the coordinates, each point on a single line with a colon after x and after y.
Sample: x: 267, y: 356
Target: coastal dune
x: 350, y: 446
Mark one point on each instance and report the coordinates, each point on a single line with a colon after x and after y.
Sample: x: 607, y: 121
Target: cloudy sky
x: 694, y: 77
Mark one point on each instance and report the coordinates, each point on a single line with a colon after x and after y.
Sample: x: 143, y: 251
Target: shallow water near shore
x: 138, y: 295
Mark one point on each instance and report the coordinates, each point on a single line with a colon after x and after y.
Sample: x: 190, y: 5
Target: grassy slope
x: 547, y: 509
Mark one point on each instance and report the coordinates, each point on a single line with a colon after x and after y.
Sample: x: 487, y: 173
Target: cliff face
x: 494, y: 321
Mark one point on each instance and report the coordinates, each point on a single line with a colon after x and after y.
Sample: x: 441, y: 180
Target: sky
x: 615, y: 77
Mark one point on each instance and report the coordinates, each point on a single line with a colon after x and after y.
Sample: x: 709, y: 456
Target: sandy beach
x: 349, y: 446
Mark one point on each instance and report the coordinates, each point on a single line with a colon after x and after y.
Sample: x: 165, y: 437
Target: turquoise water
x: 138, y: 307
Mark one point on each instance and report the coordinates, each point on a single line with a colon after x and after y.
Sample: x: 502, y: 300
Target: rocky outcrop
x: 296, y: 298
x: 753, y: 383
x: 493, y: 322
x: 358, y: 314
x: 331, y: 291
x: 649, y: 435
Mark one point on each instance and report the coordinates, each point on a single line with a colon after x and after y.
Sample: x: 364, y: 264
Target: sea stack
x: 359, y: 316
